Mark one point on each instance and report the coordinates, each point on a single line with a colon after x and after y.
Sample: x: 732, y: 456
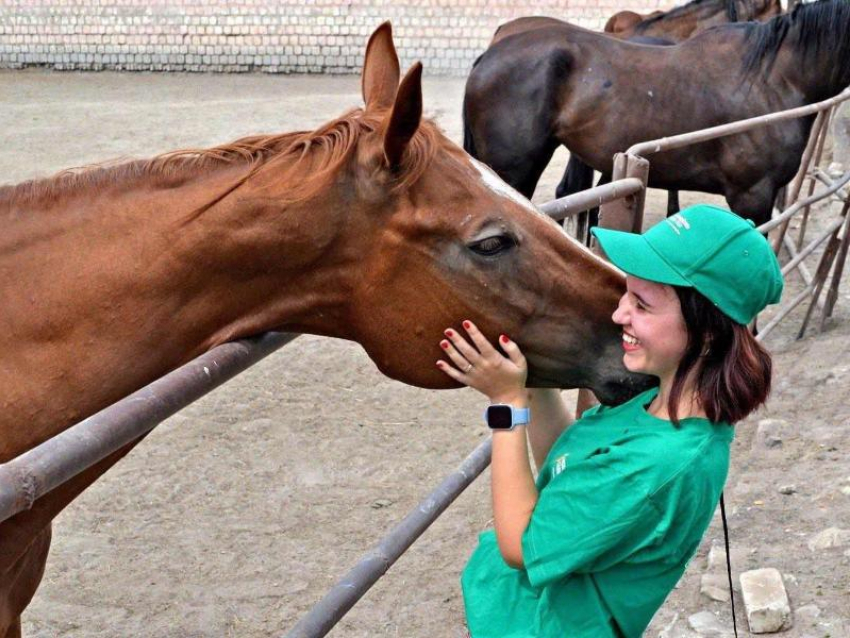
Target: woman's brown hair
x: 733, y: 369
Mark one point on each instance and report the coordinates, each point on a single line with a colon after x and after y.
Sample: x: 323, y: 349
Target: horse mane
x: 328, y: 149
x: 729, y: 7
x: 816, y: 28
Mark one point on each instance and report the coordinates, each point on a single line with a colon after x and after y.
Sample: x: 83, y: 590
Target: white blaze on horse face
x: 500, y: 187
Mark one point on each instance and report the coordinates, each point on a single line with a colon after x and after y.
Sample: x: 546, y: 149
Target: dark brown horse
x: 374, y: 228
x: 661, y: 28
x: 597, y: 96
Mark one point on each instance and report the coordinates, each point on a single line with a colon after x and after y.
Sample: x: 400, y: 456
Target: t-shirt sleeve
x: 593, y: 514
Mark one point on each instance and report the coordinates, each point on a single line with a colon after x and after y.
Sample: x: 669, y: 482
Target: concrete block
x: 765, y: 601
x: 714, y: 586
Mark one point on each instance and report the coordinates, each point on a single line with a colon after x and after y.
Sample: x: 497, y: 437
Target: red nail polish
x: 467, y: 325
x: 504, y: 339
x: 448, y: 333
x: 445, y: 345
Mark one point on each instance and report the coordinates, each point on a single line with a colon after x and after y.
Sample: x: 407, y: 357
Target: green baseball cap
x: 704, y: 247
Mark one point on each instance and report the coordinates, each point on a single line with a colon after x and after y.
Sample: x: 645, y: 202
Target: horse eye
x: 494, y: 245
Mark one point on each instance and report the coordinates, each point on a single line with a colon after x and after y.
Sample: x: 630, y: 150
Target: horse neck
x: 111, y: 291
x: 818, y: 70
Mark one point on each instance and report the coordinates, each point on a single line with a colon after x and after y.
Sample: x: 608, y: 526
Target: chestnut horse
x: 374, y: 228
x: 597, y: 96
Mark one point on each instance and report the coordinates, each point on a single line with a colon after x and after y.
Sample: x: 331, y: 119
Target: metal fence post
x: 626, y: 213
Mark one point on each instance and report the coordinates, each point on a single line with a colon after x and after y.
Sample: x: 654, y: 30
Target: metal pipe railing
x: 797, y: 206
x: 685, y: 139
x: 46, y: 466
x: 354, y: 585
x: 585, y: 200
x: 800, y: 256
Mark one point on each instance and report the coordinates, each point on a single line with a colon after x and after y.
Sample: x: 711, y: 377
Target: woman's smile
x: 654, y: 335
x: 630, y: 342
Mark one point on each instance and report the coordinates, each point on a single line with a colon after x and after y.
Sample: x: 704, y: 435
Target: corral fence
x: 627, y: 213
x: 33, y: 474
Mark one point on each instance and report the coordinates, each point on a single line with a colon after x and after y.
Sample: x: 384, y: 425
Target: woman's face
x: 654, y: 333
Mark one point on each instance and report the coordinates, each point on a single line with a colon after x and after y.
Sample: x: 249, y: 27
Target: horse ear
x: 405, y: 116
x: 379, y: 82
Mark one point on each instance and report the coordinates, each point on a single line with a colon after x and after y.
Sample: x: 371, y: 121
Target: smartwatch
x: 501, y: 416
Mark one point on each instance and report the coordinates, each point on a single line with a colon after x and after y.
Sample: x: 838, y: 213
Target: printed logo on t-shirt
x: 559, y: 465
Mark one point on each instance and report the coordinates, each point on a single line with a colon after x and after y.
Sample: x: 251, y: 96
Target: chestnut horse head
x: 447, y: 240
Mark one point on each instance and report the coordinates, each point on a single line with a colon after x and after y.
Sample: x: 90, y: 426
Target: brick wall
x: 275, y: 36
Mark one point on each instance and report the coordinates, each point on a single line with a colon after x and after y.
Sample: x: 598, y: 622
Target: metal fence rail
x: 633, y: 163
x: 564, y: 207
x: 43, y: 468
x: 686, y: 139
x: 351, y: 587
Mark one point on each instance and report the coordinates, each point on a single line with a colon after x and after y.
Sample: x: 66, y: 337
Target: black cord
x: 728, y: 563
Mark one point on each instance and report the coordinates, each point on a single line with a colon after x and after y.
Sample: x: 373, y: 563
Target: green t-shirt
x: 624, y: 500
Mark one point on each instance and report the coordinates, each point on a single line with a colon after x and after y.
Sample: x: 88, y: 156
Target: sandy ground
x: 236, y: 515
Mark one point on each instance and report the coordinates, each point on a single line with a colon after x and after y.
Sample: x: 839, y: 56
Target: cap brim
x: 632, y: 254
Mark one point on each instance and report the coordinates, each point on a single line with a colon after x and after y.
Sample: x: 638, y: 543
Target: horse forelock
x: 328, y: 147
x: 816, y: 28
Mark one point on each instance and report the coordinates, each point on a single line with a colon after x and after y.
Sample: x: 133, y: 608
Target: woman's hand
x: 480, y: 366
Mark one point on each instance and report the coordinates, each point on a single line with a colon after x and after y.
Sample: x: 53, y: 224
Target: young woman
x: 624, y: 495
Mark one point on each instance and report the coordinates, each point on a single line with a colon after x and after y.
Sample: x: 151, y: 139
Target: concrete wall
x: 283, y: 36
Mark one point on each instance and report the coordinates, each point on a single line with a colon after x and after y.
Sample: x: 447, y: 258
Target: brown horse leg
x: 672, y: 203
x: 577, y: 177
x: 593, y: 213
x: 20, y: 583
x: 25, y: 540
x: 755, y: 203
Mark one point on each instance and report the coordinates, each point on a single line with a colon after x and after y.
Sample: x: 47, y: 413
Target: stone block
x: 706, y: 623
x: 828, y: 538
x: 714, y: 586
x: 765, y: 601
x: 717, y: 557
x: 768, y: 434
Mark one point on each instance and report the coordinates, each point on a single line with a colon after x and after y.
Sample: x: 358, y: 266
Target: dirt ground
x: 236, y: 515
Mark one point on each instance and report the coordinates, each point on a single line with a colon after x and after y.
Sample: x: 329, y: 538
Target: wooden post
x: 797, y: 184
x: 627, y: 213
x: 818, y: 154
x: 832, y: 295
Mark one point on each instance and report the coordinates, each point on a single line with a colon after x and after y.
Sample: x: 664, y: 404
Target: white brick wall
x: 275, y: 36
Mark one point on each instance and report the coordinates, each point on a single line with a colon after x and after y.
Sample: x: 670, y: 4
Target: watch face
x: 499, y: 417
